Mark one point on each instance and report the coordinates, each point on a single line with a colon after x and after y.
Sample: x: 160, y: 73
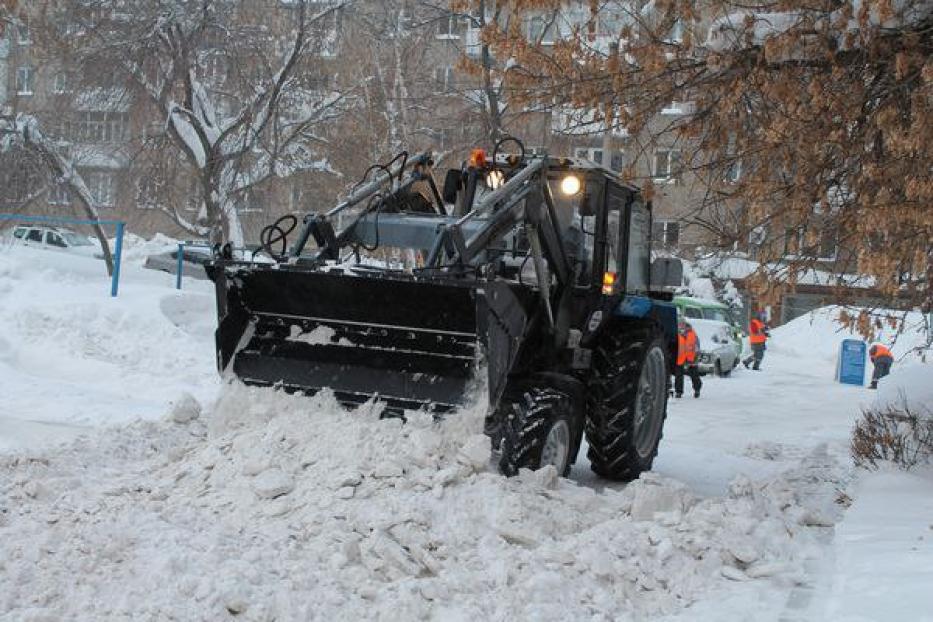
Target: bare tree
x: 21, y: 133
x: 234, y: 98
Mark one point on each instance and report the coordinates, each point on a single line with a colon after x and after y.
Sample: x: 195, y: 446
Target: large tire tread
x: 610, y: 425
x: 526, y: 419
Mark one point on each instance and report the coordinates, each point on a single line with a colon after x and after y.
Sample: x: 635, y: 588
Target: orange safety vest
x: 687, y: 347
x: 879, y: 350
x: 756, y: 332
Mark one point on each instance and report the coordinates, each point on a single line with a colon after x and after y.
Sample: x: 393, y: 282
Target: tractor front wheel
x: 536, y: 431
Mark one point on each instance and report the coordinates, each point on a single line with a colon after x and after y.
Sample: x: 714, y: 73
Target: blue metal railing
x: 179, y: 270
x: 117, y: 247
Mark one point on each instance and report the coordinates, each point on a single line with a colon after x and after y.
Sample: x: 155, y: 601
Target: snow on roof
x: 103, y: 100
x: 92, y: 156
x: 582, y: 122
x: 703, y: 301
x: 740, y: 29
x: 741, y: 268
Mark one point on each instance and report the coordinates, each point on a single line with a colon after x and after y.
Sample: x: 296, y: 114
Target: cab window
x: 34, y: 235
x: 53, y: 239
x: 693, y: 312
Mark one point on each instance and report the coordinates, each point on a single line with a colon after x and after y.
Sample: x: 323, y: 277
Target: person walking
x: 882, y: 359
x: 757, y: 336
x: 688, y: 348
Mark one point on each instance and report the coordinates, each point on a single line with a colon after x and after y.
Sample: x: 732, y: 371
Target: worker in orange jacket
x: 757, y: 336
x: 688, y: 351
x: 882, y: 359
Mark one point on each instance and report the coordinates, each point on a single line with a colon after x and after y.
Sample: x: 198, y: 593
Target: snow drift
x: 287, y: 507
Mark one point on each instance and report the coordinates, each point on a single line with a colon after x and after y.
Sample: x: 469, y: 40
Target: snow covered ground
x: 134, y: 486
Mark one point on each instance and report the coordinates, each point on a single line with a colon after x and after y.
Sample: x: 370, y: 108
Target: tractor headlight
x: 494, y: 179
x: 570, y: 185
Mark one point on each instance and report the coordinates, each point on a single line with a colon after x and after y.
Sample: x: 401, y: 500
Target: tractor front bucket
x: 414, y: 343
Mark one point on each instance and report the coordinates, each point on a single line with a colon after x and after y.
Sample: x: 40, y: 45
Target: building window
x: 148, y: 191
x: 25, y: 79
x: 60, y: 83
x: 100, y: 184
x: 676, y: 33
x: 23, y: 36
x: 60, y: 194
x: 540, y: 30
x: 296, y: 199
x: 733, y: 172
x: 610, y: 23
x: 665, y: 232
x: 450, y: 27
x: 99, y: 127
x: 444, y: 77
x: 820, y: 244
x: 667, y: 165
x: 192, y: 199
x: 246, y: 202
x: 589, y: 153
x: 214, y: 69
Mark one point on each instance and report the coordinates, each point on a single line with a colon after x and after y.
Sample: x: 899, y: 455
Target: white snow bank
x: 909, y: 385
x: 71, y: 354
x: 136, y: 248
x: 884, y: 551
x: 289, y: 507
x: 818, y: 334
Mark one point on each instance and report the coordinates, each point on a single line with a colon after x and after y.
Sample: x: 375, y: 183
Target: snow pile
x: 136, y: 248
x: 289, y: 507
x: 908, y: 386
x: 818, y: 334
x: 72, y: 354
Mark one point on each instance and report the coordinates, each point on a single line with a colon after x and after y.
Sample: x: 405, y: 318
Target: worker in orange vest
x: 688, y: 351
x: 882, y: 359
x: 757, y: 336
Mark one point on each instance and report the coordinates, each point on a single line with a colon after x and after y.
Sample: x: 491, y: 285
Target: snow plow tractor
x: 530, y: 274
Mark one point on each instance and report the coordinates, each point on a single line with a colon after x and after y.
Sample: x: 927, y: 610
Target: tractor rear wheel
x: 536, y: 431
x: 629, y: 393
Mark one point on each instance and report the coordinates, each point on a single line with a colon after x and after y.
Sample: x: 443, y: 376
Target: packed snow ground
x: 134, y: 486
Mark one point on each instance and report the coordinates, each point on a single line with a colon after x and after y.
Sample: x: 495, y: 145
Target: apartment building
x: 106, y: 127
x: 115, y: 136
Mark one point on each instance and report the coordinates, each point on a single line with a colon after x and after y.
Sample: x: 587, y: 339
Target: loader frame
x: 545, y: 333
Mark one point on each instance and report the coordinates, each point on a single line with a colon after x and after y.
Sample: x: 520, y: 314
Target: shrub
x: 893, y: 433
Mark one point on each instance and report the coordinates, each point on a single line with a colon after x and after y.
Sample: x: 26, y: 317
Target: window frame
x: 50, y: 236
x: 27, y: 82
x: 59, y: 194
x: 669, y: 229
x: 456, y: 27
x: 669, y: 175
x: 97, y: 183
x: 23, y: 32
x: 545, y: 36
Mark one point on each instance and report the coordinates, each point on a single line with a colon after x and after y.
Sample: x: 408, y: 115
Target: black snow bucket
x: 414, y: 343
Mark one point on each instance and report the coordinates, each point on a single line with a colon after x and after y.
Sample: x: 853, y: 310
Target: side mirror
x: 667, y: 272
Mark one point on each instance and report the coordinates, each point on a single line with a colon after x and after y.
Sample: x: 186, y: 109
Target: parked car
x: 717, y: 352
x: 700, y: 308
x: 54, y: 238
x: 194, y: 259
